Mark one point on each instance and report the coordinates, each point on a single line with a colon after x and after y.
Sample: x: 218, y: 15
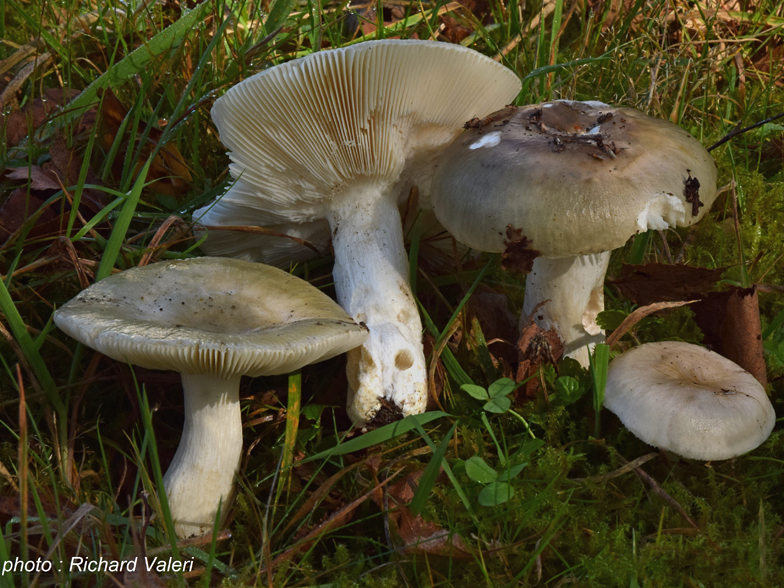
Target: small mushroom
x: 338, y: 138
x: 213, y: 320
x: 577, y: 179
x: 688, y: 400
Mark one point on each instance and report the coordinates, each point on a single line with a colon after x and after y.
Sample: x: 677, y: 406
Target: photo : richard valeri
x: 101, y: 564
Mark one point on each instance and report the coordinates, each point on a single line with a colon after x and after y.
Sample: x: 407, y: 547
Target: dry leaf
x: 39, y: 179
x: 420, y: 536
x: 34, y: 114
x: 730, y: 323
x: 659, y: 282
x: 20, y: 206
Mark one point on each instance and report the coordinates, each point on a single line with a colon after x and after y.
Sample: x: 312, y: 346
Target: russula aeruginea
x: 577, y: 179
x: 339, y: 137
x: 213, y: 320
x: 688, y: 400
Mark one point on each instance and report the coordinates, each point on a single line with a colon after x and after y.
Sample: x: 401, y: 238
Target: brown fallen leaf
x: 18, y: 207
x: 39, y: 179
x: 421, y: 536
x: 32, y: 115
x: 730, y: 323
x: 417, y: 534
x: 518, y: 255
x: 659, y: 282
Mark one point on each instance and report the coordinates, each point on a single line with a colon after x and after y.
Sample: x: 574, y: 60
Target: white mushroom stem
x: 201, y: 475
x: 371, y: 280
x: 574, y: 287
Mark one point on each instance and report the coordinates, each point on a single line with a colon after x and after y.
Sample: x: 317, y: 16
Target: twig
x: 734, y: 133
x: 626, y: 468
x: 261, y: 231
x: 662, y: 493
x: 637, y: 315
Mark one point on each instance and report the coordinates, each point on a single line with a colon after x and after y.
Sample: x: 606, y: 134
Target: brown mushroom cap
x: 576, y: 177
x: 225, y: 317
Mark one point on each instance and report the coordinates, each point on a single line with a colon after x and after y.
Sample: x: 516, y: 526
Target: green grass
x: 98, y: 435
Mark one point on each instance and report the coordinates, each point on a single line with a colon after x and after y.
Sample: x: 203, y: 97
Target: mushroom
x: 688, y: 400
x: 341, y: 136
x: 213, y: 320
x: 577, y: 179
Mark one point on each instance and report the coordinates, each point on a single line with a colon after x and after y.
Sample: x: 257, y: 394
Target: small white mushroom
x: 578, y: 179
x: 688, y: 400
x: 213, y: 320
x: 339, y: 137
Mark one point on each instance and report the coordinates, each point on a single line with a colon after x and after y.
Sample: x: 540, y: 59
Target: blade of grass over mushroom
x: 169, y: 38
x: 380, y: 435
x: 121, y: 226
x: 431, y: 473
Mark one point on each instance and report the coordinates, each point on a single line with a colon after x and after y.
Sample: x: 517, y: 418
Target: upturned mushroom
x: 577, y: 179
x: 688, y: 400
x: 338, y: 138
x: 213, y: 320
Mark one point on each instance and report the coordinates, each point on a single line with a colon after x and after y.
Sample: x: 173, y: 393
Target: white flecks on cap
x: 490, y: 140
x: 212, y: 315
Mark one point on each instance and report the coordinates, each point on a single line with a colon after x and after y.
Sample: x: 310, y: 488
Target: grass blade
x: 380, y: 435
x: 292, y: 424
x: 29, y: 349
x: 121, y: 226
x: 431, y: 473
x: 169, y: 38
x: 455, y: 484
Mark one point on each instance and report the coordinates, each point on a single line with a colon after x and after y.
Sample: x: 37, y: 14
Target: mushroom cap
x: 299, y: 132
x: 688, y: 400
x: 577, y: 177
x: 213, y: 315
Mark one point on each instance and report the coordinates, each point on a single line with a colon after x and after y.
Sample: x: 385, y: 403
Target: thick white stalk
x: 371, y: 280
x: 201, y: 475
x: 575, y: 289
